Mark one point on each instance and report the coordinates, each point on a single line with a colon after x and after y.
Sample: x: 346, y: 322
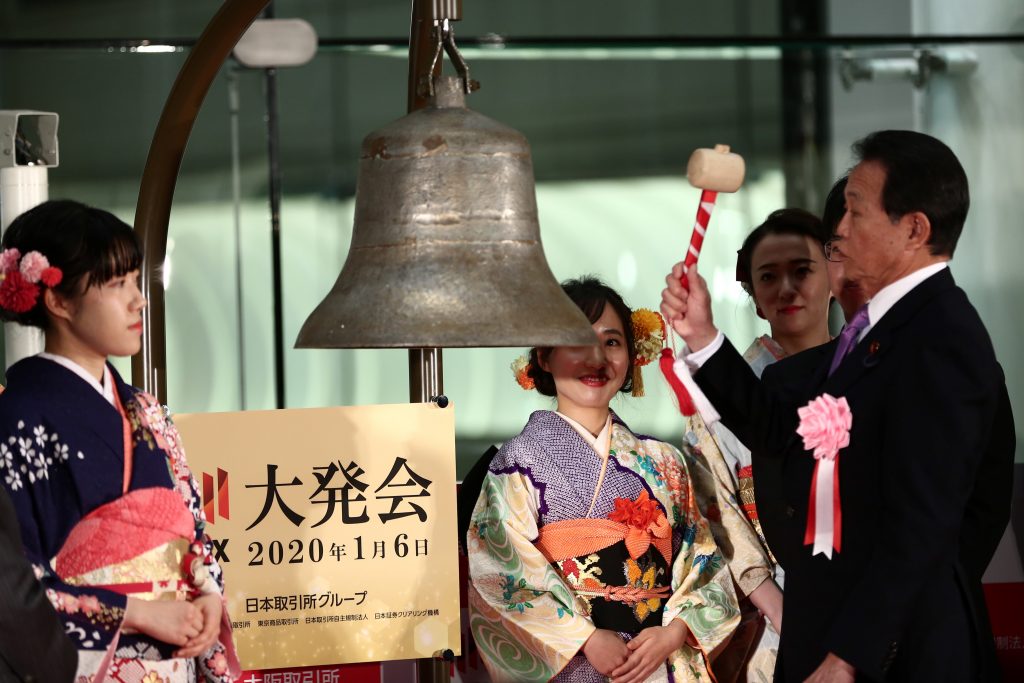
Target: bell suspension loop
x: 443, y: 37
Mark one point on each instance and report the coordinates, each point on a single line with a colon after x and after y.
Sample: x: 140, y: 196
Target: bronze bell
x: 445, y: 246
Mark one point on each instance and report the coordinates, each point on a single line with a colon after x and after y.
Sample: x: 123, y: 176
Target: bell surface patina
x: 446, y: 247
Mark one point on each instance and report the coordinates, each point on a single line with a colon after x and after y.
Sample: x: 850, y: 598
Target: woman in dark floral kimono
x: 109, y: 513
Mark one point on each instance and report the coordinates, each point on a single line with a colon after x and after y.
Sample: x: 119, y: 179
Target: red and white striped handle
x: 700, y: 228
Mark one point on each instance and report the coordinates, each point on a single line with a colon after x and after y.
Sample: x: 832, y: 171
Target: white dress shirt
x: 887, y: 296
x: 878, y: 306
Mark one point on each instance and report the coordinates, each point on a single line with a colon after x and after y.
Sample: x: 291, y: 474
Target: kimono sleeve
x: 716, y: 495
x: 523, y: 616
x: 703, y: 595
x: 188, y: 487
x: 220, y: 663
x: 33, y: 470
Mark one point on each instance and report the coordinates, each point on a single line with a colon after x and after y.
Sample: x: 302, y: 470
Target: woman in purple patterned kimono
x: 109, y: 513
x: 589, y: 557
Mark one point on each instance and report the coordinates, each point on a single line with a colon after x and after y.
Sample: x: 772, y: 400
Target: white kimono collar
x: 106, y: 390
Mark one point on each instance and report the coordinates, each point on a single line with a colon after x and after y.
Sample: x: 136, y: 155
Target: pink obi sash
x: 133, y: 545
x: 137, y: 545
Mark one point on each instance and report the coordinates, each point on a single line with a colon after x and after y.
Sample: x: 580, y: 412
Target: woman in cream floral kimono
x: 589, y: 554
x: 781, y: 265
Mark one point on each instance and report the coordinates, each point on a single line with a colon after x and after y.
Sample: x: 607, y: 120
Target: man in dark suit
x: 988, y: 508
x: 33, y: 647
x: 927, y: 397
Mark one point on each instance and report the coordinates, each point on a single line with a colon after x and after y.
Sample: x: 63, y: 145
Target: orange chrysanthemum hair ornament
x: 521, y: 369
x: 648, y: 340
x: 21, y: 278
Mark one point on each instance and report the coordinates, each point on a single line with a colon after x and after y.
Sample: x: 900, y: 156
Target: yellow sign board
x: 335, y: 528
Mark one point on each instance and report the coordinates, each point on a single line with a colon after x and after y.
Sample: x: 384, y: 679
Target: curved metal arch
x: 153, y: 210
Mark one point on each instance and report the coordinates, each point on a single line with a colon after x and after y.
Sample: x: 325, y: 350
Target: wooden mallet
x: 712, y: 171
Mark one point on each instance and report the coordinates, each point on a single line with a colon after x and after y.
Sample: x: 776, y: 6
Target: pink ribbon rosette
x: 825, y: 427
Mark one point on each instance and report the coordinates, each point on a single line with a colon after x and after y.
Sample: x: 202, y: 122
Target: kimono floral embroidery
x: 660, y: 467
x: 706, y: 562
x: 625, y: 456
x: 60, y: 451
x: 151, y: 425
x: 641, y: 574
x: 86, y: 605
x: 166, y: 433
x: 12, y: 476
x: 512, y: 590
x: 647, y: 464
x: 151, y: 422
x: 643, y: 461
x: 140, y: 429
x: 676, y: 478
x: 35, y: 452
x: 217, y: 664
x: 582, y: 574
x: 71, y: 604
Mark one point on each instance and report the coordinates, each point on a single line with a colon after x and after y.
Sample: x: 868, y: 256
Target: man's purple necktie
x: 848, y: 337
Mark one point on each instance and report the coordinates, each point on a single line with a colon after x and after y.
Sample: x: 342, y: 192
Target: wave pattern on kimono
x: 532, y: 609
x: 721, y: 467
x: 92, y: 540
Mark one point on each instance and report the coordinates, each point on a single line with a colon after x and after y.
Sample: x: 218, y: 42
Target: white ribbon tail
x: 824, y: 529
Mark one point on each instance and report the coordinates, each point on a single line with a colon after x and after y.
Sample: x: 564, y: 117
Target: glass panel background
x: 610, y: 139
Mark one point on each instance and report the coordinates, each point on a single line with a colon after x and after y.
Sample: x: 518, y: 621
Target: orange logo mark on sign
x: 222, y: 504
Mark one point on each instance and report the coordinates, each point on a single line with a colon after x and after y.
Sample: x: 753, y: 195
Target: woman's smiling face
x: 588, y: 377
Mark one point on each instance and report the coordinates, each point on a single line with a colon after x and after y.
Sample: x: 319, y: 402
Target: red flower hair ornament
x: 21, y: 277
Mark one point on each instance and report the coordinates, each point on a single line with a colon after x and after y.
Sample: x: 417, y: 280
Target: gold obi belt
x: 746, y: 481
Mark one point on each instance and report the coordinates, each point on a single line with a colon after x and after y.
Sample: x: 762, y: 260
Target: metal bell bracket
x: 443, y: 36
